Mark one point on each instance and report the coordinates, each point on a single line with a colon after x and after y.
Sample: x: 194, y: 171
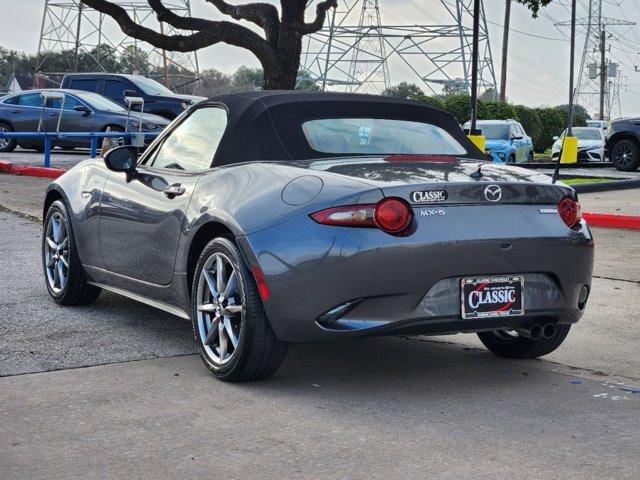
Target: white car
x: 602, y: 124
x: 590, y: 144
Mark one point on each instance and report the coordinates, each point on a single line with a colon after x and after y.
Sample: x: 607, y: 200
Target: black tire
x: 522, y: 347
x: 625, y: 155
x: 258, y: 353
x: 7, y: 144
x: 76, y: 290
x: 512, y: 158
x: 530, y: 157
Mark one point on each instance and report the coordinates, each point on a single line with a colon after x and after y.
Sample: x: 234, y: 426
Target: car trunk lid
x: 433, y: 179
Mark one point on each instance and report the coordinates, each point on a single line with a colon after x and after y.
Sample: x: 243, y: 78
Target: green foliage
x: 432, y: 101
x: 542, y: 124
x: 458, y: 105
x: 409, y: 91
x: 495, y: 110
x: 529, y: 118
x: 305, y: 82
x: 534, y: 5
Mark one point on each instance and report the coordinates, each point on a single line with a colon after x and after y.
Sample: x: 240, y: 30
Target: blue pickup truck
x: 158, y: 99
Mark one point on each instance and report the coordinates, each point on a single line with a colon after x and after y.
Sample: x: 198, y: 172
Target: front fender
x: 81, y: 189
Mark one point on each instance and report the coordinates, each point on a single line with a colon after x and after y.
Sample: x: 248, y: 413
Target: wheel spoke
x: 52, y: 261
x: 229, y: 330
x: 211, y: 283
x: 220, y: 273
x: 232, y: 309
x: 64, y: 262
x: 55, y: 224
x: 213, y: 331
x: 222, y: 338
x: 61, y: 274
x: 64, y: 243
x: 53, y: 245
x: 207, y: 308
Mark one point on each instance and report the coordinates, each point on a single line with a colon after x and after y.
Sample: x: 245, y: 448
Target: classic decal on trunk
x: 429, y: 196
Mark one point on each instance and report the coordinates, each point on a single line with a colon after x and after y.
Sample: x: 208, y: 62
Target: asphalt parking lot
x: 114, y: 390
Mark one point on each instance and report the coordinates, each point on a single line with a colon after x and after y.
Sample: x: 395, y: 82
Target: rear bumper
x: 411, y: 284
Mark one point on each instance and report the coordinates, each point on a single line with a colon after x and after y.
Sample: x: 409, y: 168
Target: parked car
x: 601, y: 124
x: 506, y: 141
x: 590, y: 144
x: 623, y: 144
x: 345, y: 216
x: 82, y: 112
x: 158, y: 99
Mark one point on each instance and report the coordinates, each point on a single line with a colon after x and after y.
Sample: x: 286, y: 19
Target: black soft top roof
x: 267, y: 125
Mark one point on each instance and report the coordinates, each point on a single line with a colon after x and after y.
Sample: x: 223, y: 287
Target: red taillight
x: 262, y: 285
x: 391, y: 215
x: 570, y: 211
x: 347, y: 216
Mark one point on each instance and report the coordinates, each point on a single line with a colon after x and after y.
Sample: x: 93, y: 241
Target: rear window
x: 379, y: 136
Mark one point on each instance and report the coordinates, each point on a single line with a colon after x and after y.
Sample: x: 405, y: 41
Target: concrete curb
x: 30, y: 171
x: 610, y: 220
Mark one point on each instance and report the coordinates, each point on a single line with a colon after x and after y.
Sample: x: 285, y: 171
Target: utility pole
x: 474, y: 66
x: 76, y: 52
x: 603, y: 72
x: 505, y: 48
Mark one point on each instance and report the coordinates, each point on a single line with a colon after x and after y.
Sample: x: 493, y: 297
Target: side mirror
x: 122, y: 159
x: 82, y: 108
x: 556, y: 137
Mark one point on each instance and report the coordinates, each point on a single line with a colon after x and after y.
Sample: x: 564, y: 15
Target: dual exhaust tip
x: 537, y: 331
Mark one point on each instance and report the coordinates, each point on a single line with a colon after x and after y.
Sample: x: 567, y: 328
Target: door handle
x: 15, y: 111
x: 174, y: 190
x: 53, y: 114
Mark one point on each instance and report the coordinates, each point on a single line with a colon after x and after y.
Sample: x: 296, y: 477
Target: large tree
x: 278, y: 49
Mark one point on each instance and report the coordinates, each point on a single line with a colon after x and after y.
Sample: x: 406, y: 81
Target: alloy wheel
x: 623, y: 155
x: 4, y: 142
x: 56, y: 252
x: 219, y: 308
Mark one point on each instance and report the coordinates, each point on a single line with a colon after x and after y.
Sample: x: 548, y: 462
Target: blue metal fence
x: 49, y: 137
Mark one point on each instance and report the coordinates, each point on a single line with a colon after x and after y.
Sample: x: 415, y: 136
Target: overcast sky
x: 539, y: 53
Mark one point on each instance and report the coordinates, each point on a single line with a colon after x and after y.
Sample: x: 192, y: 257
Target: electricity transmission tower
x: 594, y: 89
x: 353, y: 50
x: 82, y: 39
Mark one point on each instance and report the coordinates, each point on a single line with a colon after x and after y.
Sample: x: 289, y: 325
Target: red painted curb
x: 610, y: 220
x: 30, y: 171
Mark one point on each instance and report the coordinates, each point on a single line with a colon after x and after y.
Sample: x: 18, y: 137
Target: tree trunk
x: 282, y: 74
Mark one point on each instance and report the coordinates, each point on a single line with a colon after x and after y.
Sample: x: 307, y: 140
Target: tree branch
x: 182, y: 23
x: 264, y: 15
x: 208, y: 32
x: 321, y: 15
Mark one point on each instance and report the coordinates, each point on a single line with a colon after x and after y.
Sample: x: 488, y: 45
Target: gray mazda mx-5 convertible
x: 275, y: 217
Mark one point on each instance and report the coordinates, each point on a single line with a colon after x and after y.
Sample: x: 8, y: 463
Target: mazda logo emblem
x: 493, y: 193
